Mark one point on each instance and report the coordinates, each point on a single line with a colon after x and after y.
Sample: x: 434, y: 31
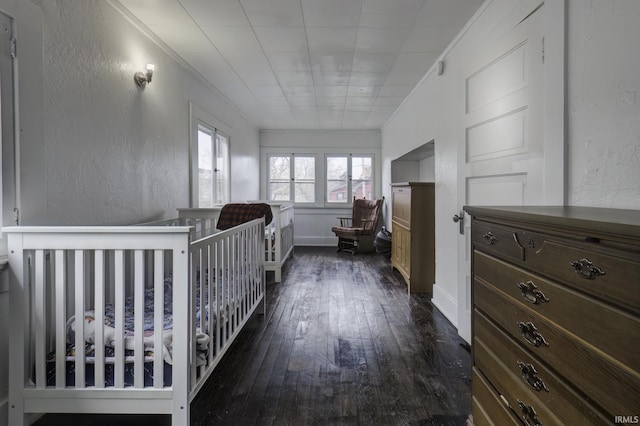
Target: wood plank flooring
x: 341, y: 344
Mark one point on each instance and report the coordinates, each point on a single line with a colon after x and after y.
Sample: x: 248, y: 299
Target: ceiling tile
x: 386, y: 20
x: 411, y: 7
x: 359, y: 101
x: 282, y: 40
x: 329, y: 78
x: 298, y: 91
x: 331, y: 91
x: 373, y: 62
x: 369, y: 91
x: 381, y: 40
x: 288, y: 78
x: 159, y: 12
x: 273, y: 13
x: 331, y: 13
x: 331, y: 40
x: 301, y: 100
x: 216, y: 13
x: 331, y: 62
x: 331, y: 101
x: 187, y: 38
x: 230, y: 40
x: 367, y: 78
x: 289, y: 62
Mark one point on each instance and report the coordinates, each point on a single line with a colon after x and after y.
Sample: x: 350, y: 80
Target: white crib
x: 139, y: 280
x: 278, y: 234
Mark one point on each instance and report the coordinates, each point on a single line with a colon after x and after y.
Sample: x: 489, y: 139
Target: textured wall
x: 115, y: 154
x: 604, y: 103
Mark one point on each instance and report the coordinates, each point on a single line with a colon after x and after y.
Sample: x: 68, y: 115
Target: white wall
x: 313, y: 224
x: 603, y: 107
x: 604, y: 103
x: 112, y: 153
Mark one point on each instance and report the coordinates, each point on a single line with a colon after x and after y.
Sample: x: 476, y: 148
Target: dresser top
x: 609, y: 221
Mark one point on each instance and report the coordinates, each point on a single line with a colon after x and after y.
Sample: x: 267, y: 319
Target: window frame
x: 321, y: 171
x: 349, y: 180
x: 292, y: 179
x: 199, y: 120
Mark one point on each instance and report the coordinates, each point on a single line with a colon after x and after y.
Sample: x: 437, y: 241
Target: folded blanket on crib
x: 234, y: 214
x: 202, y: 339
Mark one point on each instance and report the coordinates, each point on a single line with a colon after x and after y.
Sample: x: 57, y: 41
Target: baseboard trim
x: 445, y: 304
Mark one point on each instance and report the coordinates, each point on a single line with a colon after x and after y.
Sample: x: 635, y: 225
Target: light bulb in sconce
x: 142, y: 79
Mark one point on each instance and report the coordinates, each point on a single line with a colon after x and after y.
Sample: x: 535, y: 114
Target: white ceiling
x: 308, y: 64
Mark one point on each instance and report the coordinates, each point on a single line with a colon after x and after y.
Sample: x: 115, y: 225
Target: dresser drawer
x: 602, y: 379
x: 526, y: 378
x: 487, y: 407
x: 578, y: 314
x: 500, y: 241
x: 591, y: 269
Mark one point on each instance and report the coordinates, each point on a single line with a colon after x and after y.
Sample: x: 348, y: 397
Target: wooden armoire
x: 413, y: 238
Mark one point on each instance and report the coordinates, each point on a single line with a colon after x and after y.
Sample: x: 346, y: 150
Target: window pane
x: 337, y: 179
x: 305, y: 179
x: 279, y: 168
x: 337, y: 168
x: 205, y: 169
x: 361, y: 168
x: 362, y: 174
x: 279, y: 191
x: 280, y: 178
x: 305, y: 192
x: 222, y: 169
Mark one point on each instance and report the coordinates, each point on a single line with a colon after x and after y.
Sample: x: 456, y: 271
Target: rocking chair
x: 357, y: 233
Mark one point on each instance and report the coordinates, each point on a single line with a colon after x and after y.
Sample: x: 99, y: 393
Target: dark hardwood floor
x: 341, y: 344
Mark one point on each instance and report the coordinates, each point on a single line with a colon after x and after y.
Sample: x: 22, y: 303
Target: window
x: 349, y: 176
x: 8, y: 202
x: 292, y: 178
x: 210, y: 177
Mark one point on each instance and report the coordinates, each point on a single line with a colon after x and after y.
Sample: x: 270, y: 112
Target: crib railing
x: 59, y: 274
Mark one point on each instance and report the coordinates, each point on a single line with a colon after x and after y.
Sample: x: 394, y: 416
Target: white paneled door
x: 503, y: 157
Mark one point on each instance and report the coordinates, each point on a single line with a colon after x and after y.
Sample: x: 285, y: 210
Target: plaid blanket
x: 235, y: 214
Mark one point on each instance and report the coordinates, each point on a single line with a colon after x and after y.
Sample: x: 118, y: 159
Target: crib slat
x: 61, y: 319
x: 211, y: 302
x: 138, y: 366
x: 40, y: 320
x: 118, y: 311
x: 99, y: 319
x: 79, y: 324
x: 158, y: 318
x: 193, y: 290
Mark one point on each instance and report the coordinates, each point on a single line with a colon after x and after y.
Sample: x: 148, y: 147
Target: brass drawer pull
x: 529, y: 414
x: 586, y: 269
x: 531, y: 335
x: 490, y: 238
x: 530, y: 375
x: 531, y: 294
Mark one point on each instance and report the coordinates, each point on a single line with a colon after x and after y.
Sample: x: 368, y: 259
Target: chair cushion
x: 341, y: 231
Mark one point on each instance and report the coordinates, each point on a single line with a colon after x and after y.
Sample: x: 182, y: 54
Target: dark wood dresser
x: 556, y: 319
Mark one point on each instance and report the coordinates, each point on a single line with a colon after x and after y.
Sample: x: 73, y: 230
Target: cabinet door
x: 403, y: 250
x: 402, y: 205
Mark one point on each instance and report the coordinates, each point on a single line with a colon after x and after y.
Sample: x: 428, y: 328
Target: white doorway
x: 510, y: 151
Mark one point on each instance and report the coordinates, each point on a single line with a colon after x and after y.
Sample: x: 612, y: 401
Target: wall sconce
x: 142, y: 79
